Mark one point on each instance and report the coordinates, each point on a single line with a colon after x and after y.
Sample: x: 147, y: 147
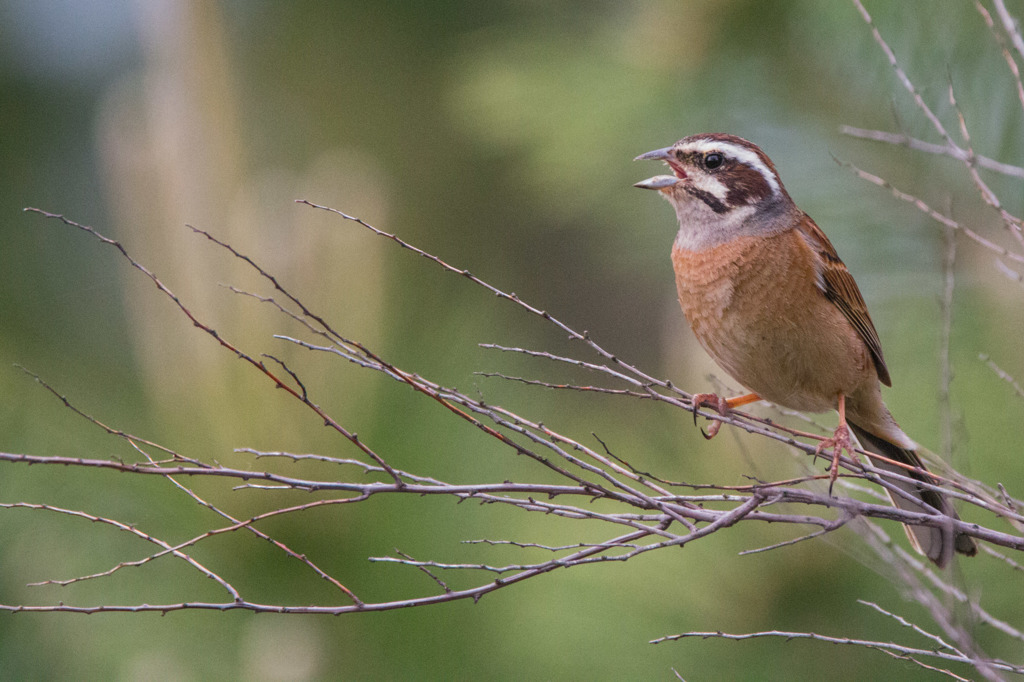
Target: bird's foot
x: 714, y: 401
x: 722, y: 405
x: 838, y: 441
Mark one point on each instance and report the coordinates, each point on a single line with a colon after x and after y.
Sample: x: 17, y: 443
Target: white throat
x: 701, y: 228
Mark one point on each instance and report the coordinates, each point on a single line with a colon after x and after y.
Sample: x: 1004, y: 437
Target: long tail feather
x: 938, y: 544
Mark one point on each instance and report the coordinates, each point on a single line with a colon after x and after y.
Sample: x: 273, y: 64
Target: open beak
x: 657, y: 155
x: 658, y: 181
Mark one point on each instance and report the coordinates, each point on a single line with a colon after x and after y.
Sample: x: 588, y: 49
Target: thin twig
x: 909, y: 142
x: 1013, y: 224
x: 946, y: 377
x: 1002, y: 374
x: 884, y: 646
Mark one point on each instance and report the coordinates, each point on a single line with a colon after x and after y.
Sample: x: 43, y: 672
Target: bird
x: 771, y: 302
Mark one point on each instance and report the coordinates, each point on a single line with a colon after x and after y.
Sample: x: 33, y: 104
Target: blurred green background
x: 498, y: 136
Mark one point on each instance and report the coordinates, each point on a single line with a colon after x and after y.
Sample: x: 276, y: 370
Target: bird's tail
x: 936, y: 543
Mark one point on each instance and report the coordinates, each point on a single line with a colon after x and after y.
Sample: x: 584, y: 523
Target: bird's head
x: 718, y: 179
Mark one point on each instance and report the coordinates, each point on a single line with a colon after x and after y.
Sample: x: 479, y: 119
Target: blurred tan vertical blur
x: 172, y: 141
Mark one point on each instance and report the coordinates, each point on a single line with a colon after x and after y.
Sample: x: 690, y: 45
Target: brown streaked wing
x: 841, y: 289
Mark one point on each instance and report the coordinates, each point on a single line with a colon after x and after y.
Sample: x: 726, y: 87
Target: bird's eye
x: 713, y: 160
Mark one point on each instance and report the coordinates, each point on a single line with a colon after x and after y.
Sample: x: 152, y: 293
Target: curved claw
x: 712, y: 430
x: 720, y: 405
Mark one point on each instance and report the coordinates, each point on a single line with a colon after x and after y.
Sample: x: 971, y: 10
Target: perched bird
x: 769, y: 299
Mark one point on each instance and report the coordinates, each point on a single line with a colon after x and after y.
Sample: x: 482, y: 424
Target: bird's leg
x: 722, y: 405
x: 839, y: 441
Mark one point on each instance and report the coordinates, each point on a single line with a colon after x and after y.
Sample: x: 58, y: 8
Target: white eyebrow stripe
x: 741, y: 154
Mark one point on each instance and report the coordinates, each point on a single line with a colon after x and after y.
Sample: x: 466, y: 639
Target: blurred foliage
x: 499, y: 137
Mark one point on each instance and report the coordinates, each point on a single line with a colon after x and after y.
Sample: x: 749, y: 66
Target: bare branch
x: 998, y: 37
x: 1012, y: 223
x: 935, y: 215
x: 1010, y: 25
x: 869, y: 644
x: 909, y: 142
x: 1002, y: 374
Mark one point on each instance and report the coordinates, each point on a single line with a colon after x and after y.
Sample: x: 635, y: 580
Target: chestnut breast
x: 755, y: 307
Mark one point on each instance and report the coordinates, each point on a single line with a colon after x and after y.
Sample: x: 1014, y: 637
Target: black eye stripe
x: 708, y: 198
